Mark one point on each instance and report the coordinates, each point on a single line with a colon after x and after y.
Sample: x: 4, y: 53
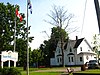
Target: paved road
x: 59, y: 70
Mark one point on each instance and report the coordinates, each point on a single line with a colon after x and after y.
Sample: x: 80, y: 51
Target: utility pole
x: 96, y: 2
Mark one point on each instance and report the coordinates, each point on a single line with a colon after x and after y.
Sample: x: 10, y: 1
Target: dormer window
x: 80, y: 48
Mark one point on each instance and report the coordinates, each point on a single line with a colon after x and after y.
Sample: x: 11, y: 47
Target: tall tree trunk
x: 24, y: 66
x: 62, y: 49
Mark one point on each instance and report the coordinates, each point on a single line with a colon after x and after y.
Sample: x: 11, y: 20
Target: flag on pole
x: 18, y: 15
x: 30, y: 6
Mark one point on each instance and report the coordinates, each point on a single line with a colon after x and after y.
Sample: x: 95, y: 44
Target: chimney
x: 76, y: 37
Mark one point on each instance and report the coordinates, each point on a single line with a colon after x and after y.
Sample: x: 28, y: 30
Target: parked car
x: 93, y: 64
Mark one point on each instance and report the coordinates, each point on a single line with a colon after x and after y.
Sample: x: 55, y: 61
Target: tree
x: 60, y: 18
x: 96, y: 44
x: 56, y: 34
x: 37, y: 56
x: 49, y: 46
x: 7, y: 25
x: 46, y: 50
x: 7, y: 28
x: 21, y: 47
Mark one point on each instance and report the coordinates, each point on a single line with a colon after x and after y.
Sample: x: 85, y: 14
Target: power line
x: 83, y: 17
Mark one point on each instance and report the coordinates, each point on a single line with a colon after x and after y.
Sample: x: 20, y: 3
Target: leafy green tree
x: 47, y: 52
x: 56, y: 35
x: 49, y: 46
x: 7, y: 28
x: 21, y: 47
x: 37, y: 56
x: 96, y: 44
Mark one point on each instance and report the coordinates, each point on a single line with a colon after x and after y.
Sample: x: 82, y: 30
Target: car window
x: 91, y: 61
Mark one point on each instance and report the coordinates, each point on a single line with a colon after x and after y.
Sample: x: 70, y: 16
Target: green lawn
x: 41, y: 73
x: 31, y: 72
x: 55, y: 71
x: 93, y: 71
x: 35, y: 69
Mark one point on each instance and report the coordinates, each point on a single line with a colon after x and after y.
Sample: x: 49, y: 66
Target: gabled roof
x: 65, y: 46
x: 78, y: 42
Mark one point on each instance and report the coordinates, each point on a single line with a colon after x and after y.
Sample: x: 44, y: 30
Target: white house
x: 76, y: 52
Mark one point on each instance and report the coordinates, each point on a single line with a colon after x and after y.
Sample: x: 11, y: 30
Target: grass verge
x: 41, y: 73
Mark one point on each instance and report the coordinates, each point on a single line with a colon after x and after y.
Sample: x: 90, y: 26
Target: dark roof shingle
x: 78, y: 42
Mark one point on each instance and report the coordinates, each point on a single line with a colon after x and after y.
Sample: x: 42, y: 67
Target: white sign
x: 5, y: 56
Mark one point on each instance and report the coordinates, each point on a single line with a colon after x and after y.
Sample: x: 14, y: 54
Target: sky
x: 40, y: 9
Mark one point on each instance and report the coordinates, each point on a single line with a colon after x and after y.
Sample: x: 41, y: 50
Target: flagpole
x: 15, y: 32
x: 27, y: 43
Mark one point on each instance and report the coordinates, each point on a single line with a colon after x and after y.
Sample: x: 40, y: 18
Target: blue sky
x: 41, y: 8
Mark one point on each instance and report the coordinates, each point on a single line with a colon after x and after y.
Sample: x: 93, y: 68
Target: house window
x: 59, y: 50
x: 80, y: 48
x: 70, y: 50
x: 72, y: 59
x: 69, y: 59
x: 87, y: 57
x: 80, y: 58
x: 58, y: 60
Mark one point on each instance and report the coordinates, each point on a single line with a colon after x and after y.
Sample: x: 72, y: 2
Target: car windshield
x: 92, y: 61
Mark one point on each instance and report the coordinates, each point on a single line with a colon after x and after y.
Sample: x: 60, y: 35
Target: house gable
x: 70, y: 45
x: 84, y: 47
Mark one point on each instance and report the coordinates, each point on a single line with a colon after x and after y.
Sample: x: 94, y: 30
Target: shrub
x: 10, y: 71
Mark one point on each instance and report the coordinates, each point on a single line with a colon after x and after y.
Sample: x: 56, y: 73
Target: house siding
x: 72, y: 56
